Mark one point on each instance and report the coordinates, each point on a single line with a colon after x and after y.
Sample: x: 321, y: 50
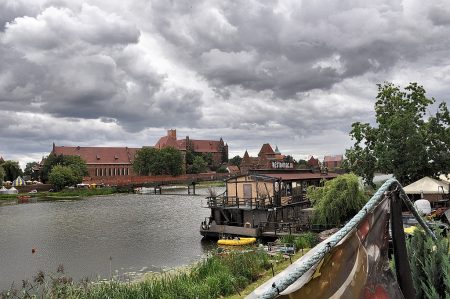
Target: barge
x: 262, y: 204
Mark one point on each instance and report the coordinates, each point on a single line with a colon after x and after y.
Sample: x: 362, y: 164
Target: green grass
x: 213, y: 277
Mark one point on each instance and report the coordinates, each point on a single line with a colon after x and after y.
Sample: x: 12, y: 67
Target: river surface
x: 101, y: 236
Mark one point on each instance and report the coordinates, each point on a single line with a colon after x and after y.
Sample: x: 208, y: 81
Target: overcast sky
x: 292, y: 73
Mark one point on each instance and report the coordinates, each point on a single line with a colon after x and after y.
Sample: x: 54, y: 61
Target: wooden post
x: 402, y: 269
x: 193, y: 185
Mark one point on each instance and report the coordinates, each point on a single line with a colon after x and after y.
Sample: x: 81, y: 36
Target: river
x: 96, y: 237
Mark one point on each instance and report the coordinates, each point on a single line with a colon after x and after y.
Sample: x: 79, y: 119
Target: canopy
x: 18, y: 182
x: 445, y: 178
x: 427, y: 185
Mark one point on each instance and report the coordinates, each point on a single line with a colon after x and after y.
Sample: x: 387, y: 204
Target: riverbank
x: 77, y: 193
x: 232, y: 275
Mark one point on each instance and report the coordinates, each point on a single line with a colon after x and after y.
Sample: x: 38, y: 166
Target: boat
x: 264, y: 203
x: 236, y: 241
x: 144, y: 190
x: 23, y: 198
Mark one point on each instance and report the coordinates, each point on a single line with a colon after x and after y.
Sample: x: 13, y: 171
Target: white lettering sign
x: 282, y: 165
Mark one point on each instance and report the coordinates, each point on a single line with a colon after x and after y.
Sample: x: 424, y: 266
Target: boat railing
x: 236, y: 202
x: 279, y: 227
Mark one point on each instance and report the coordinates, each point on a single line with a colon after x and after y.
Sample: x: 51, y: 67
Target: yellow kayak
x: 237, y: 242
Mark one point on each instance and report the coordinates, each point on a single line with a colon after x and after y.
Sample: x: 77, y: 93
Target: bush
x: 337, y: 201
x: 430, y: 265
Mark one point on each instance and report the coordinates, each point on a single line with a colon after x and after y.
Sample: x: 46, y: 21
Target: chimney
x: 172, y: 134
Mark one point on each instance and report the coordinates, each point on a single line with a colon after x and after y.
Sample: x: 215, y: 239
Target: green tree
x: 29, y: 170
x: 2, y: 175
x: 12, y: 170
x: 144, y: 160
x: 151, y: 161
x: 236, y: 160
x: 61, y: 176
x: 337, y: 201
x: 49, y: 162
x: 75, y: 162
x: 404, y: 142
x: 208, y: 157
x: 171, y: 161
x: 199, y: 165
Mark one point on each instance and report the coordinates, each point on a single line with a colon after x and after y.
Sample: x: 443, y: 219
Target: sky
x: 295, y: 74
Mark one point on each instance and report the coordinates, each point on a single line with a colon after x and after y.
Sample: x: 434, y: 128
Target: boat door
x: 247, y: 191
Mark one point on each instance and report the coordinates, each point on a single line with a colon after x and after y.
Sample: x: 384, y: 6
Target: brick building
x: 102, y: 161
x: 332, y: 162
x: 267, y: 159
x: 217, y: 148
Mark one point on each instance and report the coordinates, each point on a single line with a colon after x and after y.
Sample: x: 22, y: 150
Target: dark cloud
x: 292, y: 73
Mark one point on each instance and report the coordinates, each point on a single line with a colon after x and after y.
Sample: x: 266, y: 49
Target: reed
x: 213, y: 277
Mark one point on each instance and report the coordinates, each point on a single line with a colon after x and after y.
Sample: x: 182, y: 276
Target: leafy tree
x: 236, y: 160
x: 302, y: 164
x: 222, y: 169
x: 172, y: 161
x: 75, y: 162
x: 337, y: 201
x: 12, y: 170
x: 2, y: 175
x: 405, y: 142
x: 61, y: 176
x: 199, y: 165
x: 289, y: 159
x: 151, y: 161
x: 208, y: 158
x: 144, y: 160
x: 29, y: 170
x: 49, y: 162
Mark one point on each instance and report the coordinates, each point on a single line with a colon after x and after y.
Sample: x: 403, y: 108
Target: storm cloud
x: 292, y: 73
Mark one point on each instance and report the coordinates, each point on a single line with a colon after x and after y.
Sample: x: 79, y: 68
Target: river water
x: 101, y: 236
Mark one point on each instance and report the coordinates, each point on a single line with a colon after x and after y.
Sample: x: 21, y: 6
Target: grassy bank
x: 214, y: 277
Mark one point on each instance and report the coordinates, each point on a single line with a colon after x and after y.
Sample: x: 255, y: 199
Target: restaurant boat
x: 262, y: 203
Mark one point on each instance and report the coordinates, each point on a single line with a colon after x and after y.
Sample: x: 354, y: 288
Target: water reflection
x: 101, y: 236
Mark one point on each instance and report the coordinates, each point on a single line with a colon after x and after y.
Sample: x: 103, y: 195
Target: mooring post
x: 402, y: 268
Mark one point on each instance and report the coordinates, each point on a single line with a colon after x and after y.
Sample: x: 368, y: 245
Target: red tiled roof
x: 266, y: 149
x: 335, y: 158
x: 99, y: 155
x: 313, y: 161
x: 166, y: 141
x: 301, y: 176
x: 233, y: 169
x: 205, y: 146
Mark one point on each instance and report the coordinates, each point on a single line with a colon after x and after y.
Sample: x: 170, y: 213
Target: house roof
x: 313, y: 161
x: 335, y: 158
x: 233, y: 169
x: 445, y: 178
x: 266, y: 149
x: 206, y: 146
x: 301, y: 176
x: 427, y: 185
x: 290, y: 176
x: 167, y: 141
x: 99, y: 155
